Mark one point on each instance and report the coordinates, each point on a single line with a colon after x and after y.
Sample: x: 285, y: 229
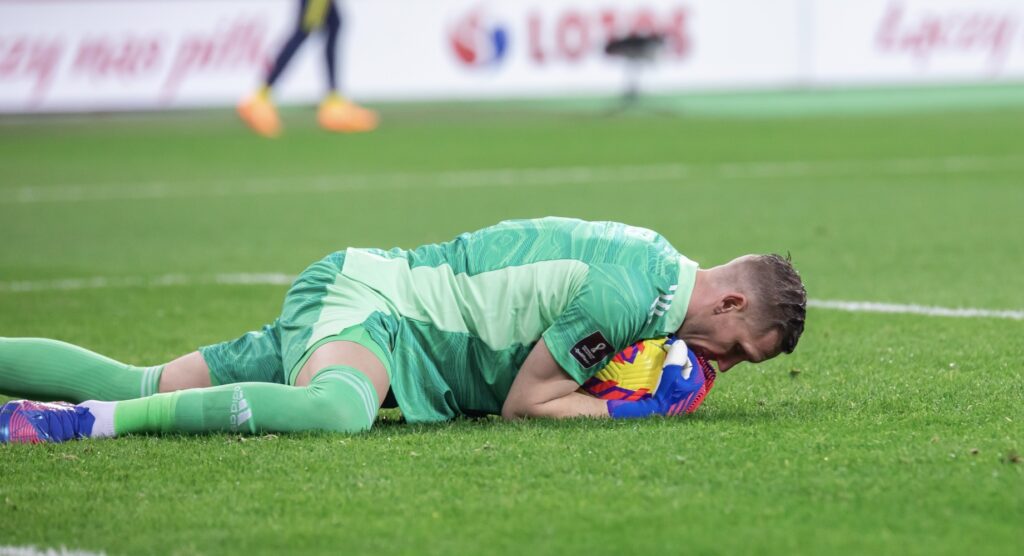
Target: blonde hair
x: 779, y: 296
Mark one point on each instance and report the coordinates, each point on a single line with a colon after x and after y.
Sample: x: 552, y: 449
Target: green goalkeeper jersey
x: 465, y: 314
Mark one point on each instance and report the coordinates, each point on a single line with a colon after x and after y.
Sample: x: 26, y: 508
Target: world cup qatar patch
x: 591, y: 350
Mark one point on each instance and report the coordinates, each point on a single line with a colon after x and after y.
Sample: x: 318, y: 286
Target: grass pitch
x: 884, y: 433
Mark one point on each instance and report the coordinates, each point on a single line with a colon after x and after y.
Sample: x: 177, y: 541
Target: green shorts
x: 322, y: 305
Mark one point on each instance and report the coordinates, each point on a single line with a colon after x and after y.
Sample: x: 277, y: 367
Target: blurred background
x: 84, y: 55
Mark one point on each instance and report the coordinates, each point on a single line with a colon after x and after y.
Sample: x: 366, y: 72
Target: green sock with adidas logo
x: 338, y: 399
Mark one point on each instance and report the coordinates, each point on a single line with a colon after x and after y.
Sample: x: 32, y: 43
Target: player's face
x: 732, y: 340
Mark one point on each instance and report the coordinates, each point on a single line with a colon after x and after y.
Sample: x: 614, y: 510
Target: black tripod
x: 637, y: 51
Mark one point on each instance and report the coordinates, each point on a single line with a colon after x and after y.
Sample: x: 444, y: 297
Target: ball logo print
x: 633, y: 374
x: 478, y: 42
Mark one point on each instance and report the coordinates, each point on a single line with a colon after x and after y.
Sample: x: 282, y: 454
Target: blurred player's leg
x: 257, y: 110
x: 311, y: 18
x: 333, y: 29
x: 337, y: 113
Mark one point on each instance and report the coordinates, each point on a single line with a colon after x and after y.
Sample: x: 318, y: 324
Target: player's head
x: 749, y: 309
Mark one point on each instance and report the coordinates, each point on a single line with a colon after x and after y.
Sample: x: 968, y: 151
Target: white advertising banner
x: 77, y: 55
x: 95, y: 55
x: 916, y: 41
x: 460, y: 48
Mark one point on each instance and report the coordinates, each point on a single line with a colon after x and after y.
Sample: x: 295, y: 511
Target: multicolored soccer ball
x: 634, y: 372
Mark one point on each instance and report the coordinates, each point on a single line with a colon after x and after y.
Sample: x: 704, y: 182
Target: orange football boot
x: 259, y: 113
x: 338, y: 114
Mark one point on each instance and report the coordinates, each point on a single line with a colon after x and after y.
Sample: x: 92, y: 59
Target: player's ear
x: 734, y: 301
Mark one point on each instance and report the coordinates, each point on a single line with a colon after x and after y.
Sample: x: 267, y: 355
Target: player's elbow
x: 518, y: 404
x: 538, y: 410
x: 510, y: 412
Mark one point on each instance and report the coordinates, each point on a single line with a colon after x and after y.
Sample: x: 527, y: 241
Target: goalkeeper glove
x: 682, y: 380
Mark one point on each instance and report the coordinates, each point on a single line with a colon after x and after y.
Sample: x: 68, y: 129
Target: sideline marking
x: 504, y: 177
x: 926, y: 310
x: 35, y: 551
x: 280, y: 279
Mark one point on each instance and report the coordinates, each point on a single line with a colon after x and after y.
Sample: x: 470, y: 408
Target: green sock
x: 338, y: 399
x: 38, y: 368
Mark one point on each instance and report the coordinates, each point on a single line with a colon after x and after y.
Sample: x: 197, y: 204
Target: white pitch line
x: 280, y: 279
x: 926, y: 310
x: 35, y: 551
x: 505, y: 177
x: 102, y: 282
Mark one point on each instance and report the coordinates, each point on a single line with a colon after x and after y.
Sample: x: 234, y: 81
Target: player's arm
x: 543, y: 389
x: 607, y: 311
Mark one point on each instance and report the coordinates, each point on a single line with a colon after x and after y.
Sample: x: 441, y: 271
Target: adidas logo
x: 240, y: 412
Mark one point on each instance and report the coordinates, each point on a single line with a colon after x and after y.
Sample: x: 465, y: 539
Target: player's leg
x: 187, y: 371
x: 339, y: 388
x: 336, y: 112
x: 42, y: 368
x: 258, y: 110
x: 332, y: 26
x: 338, y: 371
x: 350, y: 354
x: 338, y: 398
x: 253, y: 357
x: 310, y: 18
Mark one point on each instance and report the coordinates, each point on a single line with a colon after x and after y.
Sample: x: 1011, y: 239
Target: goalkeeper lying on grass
x: 508, y: 320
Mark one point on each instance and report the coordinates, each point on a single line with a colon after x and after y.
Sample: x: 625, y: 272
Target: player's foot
x: 34, y: 422
x: 259, y: 113
x: 338, y: 114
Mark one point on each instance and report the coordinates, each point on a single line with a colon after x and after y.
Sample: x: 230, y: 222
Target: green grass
x: 892, y: 434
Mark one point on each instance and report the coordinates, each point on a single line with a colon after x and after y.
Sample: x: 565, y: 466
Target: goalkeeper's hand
x: 681, y: 381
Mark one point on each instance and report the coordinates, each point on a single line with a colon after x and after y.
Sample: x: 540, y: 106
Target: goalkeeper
x: 508, y: 320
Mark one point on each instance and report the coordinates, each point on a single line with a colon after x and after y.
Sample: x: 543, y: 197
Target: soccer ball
x: 634, y: 372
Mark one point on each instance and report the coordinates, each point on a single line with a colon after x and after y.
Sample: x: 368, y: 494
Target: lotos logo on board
x: 571, y: 36
x: 477, y: 41
x: 565, y: 36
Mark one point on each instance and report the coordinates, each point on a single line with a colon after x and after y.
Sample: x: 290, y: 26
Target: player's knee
x: 344, y: 399
x: 347, y: 419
